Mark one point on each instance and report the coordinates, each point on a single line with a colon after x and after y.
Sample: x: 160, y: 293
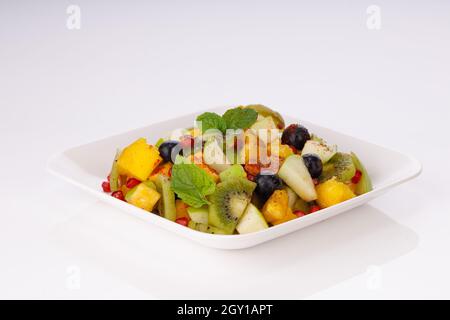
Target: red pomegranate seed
x: 183, y: 221
x: 314, y: 208
x: 316, y: 181
x: 299, y: 213
x: 118, y: 195
x: 109, y: 177
x: 357, y: 177
x: 106, y: 186
x: 250, y: 177
x: 132, y: 182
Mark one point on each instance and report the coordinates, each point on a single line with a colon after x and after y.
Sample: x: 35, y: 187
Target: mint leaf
x: 239, y: 118
x: 192, y: 184
x: 211, y: 120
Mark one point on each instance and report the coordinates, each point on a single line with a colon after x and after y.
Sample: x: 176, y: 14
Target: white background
x: 137, y: 62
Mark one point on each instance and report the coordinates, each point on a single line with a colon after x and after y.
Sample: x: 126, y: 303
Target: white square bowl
x: 86, y: 166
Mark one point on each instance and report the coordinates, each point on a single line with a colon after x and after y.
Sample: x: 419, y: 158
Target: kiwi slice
x: 267, y: 112
x: 166, y: 206
x: 204, y: 228
x: 340, y: 166
x: 229, y: 202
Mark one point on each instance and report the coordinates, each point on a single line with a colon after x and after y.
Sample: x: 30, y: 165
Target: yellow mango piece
x: 332, y: 192
x: 138, y: 160
x: 143, y: 197
x: 288, y: 217
x: 285, y: 151
x: 276, y: 207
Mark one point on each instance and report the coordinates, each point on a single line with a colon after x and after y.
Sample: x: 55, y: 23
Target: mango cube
x: 138, y: 160
x: 276, y: 207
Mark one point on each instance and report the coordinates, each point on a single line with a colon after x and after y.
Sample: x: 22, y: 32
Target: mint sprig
x: 211, y: 120
x: 192, y: 184
x: 237, y: 118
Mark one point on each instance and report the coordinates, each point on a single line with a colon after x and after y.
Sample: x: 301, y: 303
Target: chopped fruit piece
x: 365, y: 183
x: 233, y: 172
x: 164, y: 169
x: 340, y: 166
x: 276, y: 207
x: 114, y: 176
x: 118, y: 195
x: 181, y: 209
x: 288, y: 217
x: 199, y: 215
x: 132, y: 182
x: 267, y: 112
x: 142, y: 196
x: 251, y: 221
x: 285, y: 151
x: 138, y: 160
x: 253, y: 169
x: 183, y: 221
x: 215, y: 157
x: 166, y: 206
x: 333, y: 192
x: 292, y: 196
x: 210, y: 171
x: 314, y: 208
x: 295, y: 174
x: 301, y: 205
x: 106, y: 187
x: 205, y: 228
x: 299, y: 213
x: 319, y: 148
x: 229, y: 202
x: 357, y: 177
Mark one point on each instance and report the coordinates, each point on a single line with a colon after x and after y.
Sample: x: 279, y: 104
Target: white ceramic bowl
x: 86, y: 166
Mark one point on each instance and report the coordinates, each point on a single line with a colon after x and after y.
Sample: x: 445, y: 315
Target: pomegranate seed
x: 132, y: 182
x: 299, y: 213
x: 316, y: 181
x: 250, y: 177
x: 183, y: 221
x: 118, y: 195
x: 106, y: 186
x: 109, y: 177
x: 314, y: 208
x: 357, y: 177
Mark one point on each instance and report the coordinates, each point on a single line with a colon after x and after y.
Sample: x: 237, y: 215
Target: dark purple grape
x: 314, y: 165
x: 266, y: 184
x: 296, y: 136
x: 166, y: 149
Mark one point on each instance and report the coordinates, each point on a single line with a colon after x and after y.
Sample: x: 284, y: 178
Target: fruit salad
x: 240, y: 172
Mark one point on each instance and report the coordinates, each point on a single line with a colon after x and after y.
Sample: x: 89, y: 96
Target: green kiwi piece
x: 166, y: 205
x: 205, y: 228
x: 228, y: 203
x: 267, y: 112
x: 340, y: 166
